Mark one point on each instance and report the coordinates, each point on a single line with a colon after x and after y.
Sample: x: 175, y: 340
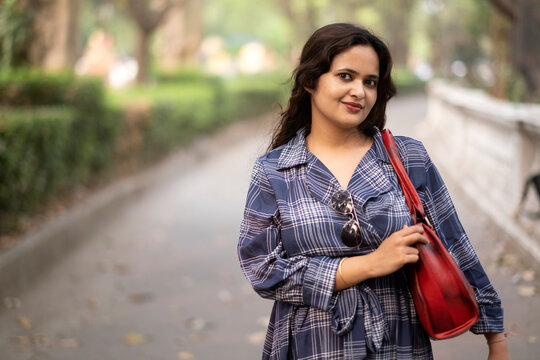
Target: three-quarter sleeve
x: 440, y: 210
x: 299, y: 280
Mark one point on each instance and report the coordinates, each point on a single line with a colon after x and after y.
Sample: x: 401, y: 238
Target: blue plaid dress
x: 290, y: 248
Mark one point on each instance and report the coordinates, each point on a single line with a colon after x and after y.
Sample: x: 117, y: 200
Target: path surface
x: 160, y: 279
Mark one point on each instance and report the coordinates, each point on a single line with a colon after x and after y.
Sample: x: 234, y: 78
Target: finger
x: 414, y: 238
x: 411, y: 250
x: 407, y: 230
x: 413, y: 259
x: 424, y: 240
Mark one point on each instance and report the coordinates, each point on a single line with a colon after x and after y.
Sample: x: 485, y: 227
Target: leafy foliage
x: 58, y: 131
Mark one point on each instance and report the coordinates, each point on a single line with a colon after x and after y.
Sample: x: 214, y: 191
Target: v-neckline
x: 333, y: 177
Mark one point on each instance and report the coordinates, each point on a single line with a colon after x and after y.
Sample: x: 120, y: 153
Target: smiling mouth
x: 353, y: 106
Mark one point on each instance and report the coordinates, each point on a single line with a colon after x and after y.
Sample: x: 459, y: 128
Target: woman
x: 327, y: 182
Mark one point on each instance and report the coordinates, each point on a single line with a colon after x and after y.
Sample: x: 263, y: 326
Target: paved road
x: 160, y: 279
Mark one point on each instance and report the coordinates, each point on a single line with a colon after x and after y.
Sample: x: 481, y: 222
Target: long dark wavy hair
x: 315, y: 60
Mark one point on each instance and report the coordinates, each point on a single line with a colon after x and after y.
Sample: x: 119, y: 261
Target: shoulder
x: 415, y: 158
x: 412, y: 151
x: 270, y: 160
x: 267, y: 166
x: 408, y: 145
x: 286, y: 156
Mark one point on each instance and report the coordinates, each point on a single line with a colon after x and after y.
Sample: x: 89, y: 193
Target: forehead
x: 357, y: 57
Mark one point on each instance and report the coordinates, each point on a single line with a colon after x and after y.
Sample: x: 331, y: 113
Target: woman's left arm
x: 440, y: 210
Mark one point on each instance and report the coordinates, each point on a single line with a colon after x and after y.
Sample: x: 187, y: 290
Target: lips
x: 353, y: 106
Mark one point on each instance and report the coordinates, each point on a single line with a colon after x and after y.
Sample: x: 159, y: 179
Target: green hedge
x: 34, y: 149
x: 57, y: 130
x: 29, y: 87
x: 186, y: 103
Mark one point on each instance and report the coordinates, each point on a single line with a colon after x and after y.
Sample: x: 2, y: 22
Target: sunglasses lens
x: 341, y: 202
x: 350, y: 234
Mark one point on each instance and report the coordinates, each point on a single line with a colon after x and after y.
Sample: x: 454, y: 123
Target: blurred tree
x: 240, y: 21
x: 53, y: 39
x: 395, y: 26
x: 500, y: 28
x: 40, y: 33
x: 180, y: 35
x: 392, y: 19
x: 147, y: 15
x: 14, y: 22
x: 304, y: 17
x: 456, y: 31
x: 524, y: 16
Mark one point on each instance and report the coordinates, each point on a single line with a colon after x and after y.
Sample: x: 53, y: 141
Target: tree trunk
x: 142, y: 55
x: 525, y: 52
x: 180, y: 35
x: 54, y: 37
x: 397, y: 26
x: 194, y: 30
x: 500, y: 60
x: 147, y: 17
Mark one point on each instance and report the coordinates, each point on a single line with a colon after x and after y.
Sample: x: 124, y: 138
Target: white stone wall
x: 491, y: 147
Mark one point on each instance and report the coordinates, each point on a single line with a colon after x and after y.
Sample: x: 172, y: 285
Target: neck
x: 336, y: 139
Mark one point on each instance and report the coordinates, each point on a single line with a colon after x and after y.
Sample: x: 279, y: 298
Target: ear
x: 309, y: 90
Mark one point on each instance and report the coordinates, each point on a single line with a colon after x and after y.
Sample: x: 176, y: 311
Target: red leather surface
x: 444, y: 299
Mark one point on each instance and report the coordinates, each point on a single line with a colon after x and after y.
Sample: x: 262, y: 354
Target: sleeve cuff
x: 319, y: 282
x: 491, y: 320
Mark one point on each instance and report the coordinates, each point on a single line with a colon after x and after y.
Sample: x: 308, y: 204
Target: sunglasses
x: 342, y: 202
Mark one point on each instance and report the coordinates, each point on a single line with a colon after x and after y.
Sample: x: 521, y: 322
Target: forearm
x: 352, y: 271
x: 498, y: 347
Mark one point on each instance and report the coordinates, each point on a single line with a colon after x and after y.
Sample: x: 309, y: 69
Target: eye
x: 371, y: 83
x: 345, y: 76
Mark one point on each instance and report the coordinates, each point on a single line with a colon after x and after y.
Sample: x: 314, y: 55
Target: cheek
x: 373, y: 98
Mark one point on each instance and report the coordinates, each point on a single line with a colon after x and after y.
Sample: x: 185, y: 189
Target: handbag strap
x: 411, y: 196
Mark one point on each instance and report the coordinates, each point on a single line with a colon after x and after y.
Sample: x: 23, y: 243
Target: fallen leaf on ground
x: 184, y: 355
x: 69, y: 343
x: 528, y: 275
x: 526, y: 291
x: 24, y: 340
x: 24, y: 322
x: 196, y: 337
x: 256, y: 338
x: 40, y: 339
x: 532, y: 339
x: 141, y: 298
x: 134, y: 338
x: 509, y: 260
x: 195, y: 323
x: 93, y: 303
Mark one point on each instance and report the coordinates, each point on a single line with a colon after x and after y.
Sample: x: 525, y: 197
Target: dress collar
x: 295, y: 152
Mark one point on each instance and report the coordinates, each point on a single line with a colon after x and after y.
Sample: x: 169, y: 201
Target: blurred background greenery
x: 93, y: 89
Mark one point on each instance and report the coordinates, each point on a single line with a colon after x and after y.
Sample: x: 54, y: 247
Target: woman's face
x: 345, y: 95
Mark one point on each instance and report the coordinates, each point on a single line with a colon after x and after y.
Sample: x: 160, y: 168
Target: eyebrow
x: 370, y: 76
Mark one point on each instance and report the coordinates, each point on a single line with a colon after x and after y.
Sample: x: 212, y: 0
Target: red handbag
x: 444, y: 299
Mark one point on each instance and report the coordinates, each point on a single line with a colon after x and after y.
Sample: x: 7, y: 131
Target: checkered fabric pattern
x: 290, y: 248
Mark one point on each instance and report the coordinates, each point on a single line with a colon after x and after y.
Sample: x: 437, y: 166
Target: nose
x: 357, y: 89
